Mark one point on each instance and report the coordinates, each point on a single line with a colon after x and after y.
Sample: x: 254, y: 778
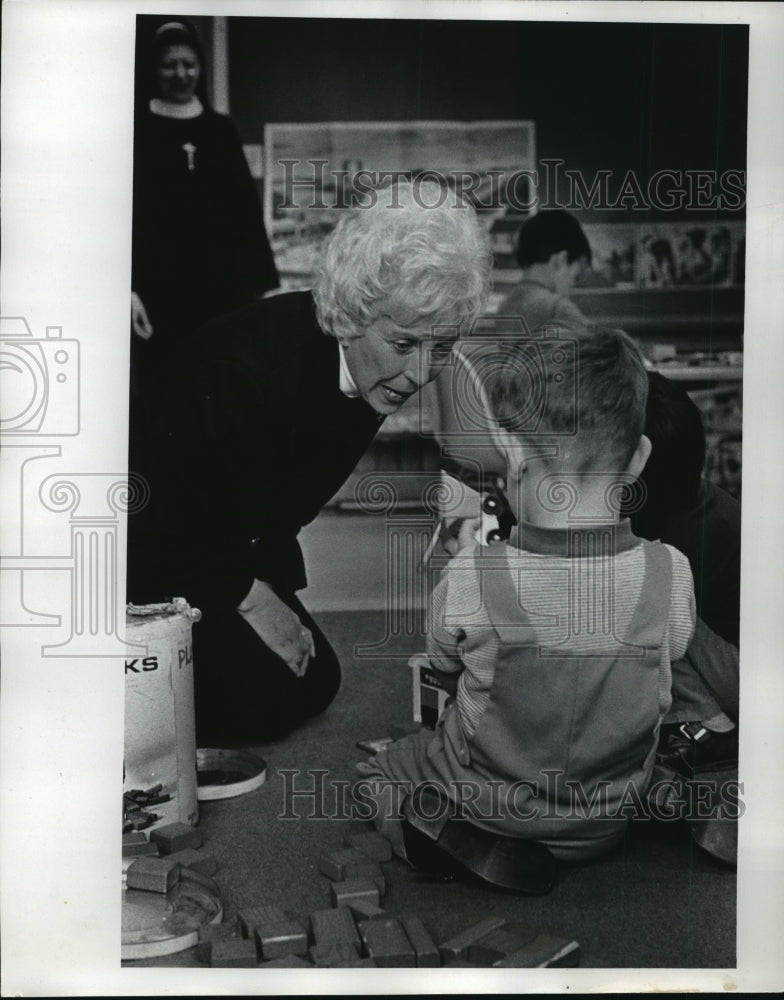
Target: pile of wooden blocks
x: 357, y: 933
x: 136, y: 807
x: 158, y: 859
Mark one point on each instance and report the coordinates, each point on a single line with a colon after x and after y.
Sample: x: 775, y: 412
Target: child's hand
x: 460, y: 534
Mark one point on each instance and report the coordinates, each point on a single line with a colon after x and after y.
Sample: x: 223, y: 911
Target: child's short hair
x: 585, y: 388
x: 548, y: 232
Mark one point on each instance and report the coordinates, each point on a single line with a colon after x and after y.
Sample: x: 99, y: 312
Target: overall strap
x: 509, y: 619
x: 652, y: 612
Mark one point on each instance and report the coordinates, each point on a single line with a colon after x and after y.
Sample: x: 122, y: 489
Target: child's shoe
x: 689, y: 747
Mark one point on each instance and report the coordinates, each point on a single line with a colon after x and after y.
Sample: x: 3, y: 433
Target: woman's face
x: 177, y: 73
x: 396, y: 355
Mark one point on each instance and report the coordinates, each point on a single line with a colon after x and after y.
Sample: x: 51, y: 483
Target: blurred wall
x: 615, y: 97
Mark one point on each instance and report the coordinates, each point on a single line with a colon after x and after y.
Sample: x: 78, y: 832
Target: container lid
x: 155, y: 923
x: 224, y: 774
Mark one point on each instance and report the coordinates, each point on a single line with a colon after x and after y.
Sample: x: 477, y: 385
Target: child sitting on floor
x: 563, y: 636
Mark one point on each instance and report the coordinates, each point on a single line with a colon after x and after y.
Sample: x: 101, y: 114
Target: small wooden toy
x: 335, y: 956
x: 427, y: 955
x: 457, y: 947
x: 387, y: 943
x: 287, y: 962
x: 250, y: 917
x: 348, y: 863
x: 176, y: 837
x: 152, y: 874
x: 544, y: 952
x: 197, y: 861
x: 232, y: 953
x: 279, y: 939
x: 364, y: 910
x: 210, y: 933
x: 140, y: 820
x: 499, y: 944
x: 355, y: 888
x: 334, y: 927
x: 135, y: 844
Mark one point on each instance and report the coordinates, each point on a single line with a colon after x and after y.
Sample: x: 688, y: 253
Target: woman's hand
x: 140, y: 321
x: 278, y: 627
x: 460, y: 534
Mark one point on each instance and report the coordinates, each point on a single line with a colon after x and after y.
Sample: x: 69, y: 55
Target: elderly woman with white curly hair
x: 258, y: 427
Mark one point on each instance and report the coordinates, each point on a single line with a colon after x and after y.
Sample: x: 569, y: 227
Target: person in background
x: 552, y: 251
x: 684, y: 509
x: 246, y: 437
x: 200, y: 248
x: 697, y: 517
x: 657, y: 264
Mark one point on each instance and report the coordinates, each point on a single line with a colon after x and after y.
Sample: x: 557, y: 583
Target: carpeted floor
x: 659, y: 901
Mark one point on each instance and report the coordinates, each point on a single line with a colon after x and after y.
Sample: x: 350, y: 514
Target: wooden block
x: 334, y: 927
x: 135, y: 845
x: 364, y: 910
x: 348, y: 863
x: 155, y: 800
x: 496, y: 945
x: 233, y: 953
x: 251, y: 916
x: 367, y: 870
x: 457, y: 947
x: 176, y: 837
x: 387, y: 943
x: 212, y: 932
x: 376, y: 847
x: 139, y: 799
x: 285, y: 938
x: 543, y: 952
x: 427, y: 955
x: 152, y: 874
x: 141, y: 820
x: 333, y: 864
x: 355, y: 888
x: 287, y: 962
x: 197, y: 861
x: 334, y: 956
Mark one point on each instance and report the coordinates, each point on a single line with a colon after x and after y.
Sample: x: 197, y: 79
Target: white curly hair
x: 416, y: 242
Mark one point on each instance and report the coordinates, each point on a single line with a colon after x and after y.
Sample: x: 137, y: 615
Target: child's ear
x: 559, y: 260
x: 640, y: 457
x: 511, y: 449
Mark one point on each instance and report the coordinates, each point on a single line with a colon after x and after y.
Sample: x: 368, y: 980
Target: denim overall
x: 565, y: 748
